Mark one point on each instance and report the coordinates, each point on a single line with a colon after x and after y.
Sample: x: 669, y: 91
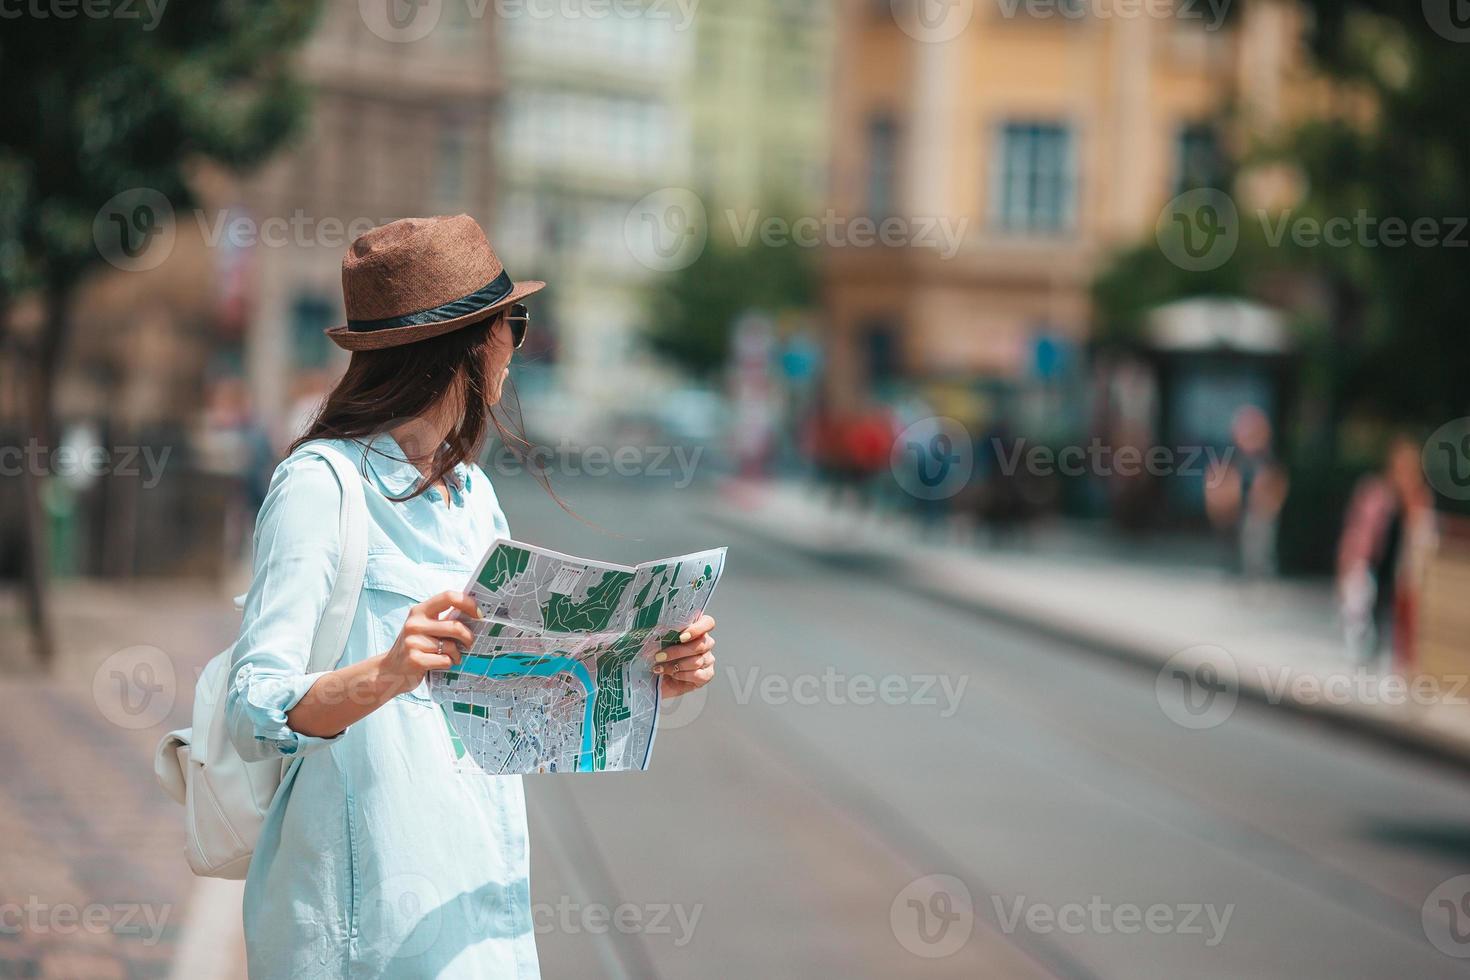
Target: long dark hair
x: 384, y: 387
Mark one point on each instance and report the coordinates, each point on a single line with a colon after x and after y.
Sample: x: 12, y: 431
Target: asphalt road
x: 878, y: 785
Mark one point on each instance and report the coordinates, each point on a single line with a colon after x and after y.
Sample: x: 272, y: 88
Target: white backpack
x: 225, y: 797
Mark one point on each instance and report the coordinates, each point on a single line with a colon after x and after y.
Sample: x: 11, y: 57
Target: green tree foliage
x: 110, y: 96
x: 95, y: 105
x: 693, y: 311
x: 1394, y: 344
x: 1404, y: 306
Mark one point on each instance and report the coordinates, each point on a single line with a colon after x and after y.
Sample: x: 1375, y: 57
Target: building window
x: 1198, y: 158
x: 1036, y: 182
x: 882, y: 167
x: 311, y: 314
x: 880, y: 356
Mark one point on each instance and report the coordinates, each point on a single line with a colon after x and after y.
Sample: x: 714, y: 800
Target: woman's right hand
x: 427, y: 642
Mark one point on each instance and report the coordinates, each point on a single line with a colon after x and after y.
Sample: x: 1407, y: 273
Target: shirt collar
x: 397, y: 475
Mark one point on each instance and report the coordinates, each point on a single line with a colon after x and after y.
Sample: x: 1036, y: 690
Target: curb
x: 1380, y: 723
x: 212, y: 945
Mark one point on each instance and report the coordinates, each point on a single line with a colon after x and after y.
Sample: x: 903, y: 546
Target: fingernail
x: 684, y: 637
x: 658, y: 670
x: 660, y: 657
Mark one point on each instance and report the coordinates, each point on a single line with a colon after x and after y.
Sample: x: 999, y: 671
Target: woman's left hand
x: 690, y: 663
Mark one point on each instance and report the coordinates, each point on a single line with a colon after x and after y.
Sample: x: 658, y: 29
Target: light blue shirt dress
x: 377, y: 859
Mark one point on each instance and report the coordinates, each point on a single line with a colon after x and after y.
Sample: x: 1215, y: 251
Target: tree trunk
x: 31, y: 530
x: 41, y: 431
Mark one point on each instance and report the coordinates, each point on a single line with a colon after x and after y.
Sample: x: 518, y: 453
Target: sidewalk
x: 93, y: 882
x: 1213, y: 638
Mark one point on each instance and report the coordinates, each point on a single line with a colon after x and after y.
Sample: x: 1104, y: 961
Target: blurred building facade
x: 1050, y: 138
x: 759, y: 103
x: 399, y: 126
x: 728, y: 101
x: 592, y: 120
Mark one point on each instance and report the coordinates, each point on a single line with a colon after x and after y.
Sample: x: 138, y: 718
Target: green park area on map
x: 554, y: 681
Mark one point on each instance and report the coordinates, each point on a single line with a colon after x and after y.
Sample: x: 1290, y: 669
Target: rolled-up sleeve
x: 297, y: 543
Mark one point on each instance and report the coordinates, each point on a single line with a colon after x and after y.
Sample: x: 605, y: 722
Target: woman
x: 376, y: 858
x: 1389, y: 535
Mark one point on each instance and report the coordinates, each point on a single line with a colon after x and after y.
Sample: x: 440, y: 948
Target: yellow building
x: 1042, y: 135
x: 758, y: 103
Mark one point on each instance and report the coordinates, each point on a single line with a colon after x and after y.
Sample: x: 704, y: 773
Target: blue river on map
x: 540, y: 665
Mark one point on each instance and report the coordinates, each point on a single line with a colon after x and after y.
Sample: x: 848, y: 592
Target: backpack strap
x: 331, y: 633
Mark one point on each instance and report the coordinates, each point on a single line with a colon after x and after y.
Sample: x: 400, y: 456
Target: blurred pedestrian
x: 1389, y: 535
x: 867, y: 443
x: 1245, y: 492
x: 234, y: 450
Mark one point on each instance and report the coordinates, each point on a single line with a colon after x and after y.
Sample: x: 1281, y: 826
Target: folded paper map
x: 559, y: 677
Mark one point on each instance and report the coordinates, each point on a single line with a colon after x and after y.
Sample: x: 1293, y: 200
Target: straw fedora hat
x: 417, y: 278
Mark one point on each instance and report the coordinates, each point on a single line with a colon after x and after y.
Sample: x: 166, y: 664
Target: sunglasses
x: 518, y: 318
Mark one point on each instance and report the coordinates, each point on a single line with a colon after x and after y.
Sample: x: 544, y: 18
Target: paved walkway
x: 1214, y: 638
x: 93, y: 882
